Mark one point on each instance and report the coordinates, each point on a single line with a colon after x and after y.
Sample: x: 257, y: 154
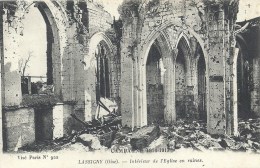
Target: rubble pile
x: 98, y: 134
x: 193, y: 135
x: 181, y: 135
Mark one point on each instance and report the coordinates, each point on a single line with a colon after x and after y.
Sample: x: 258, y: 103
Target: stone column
x: 194, y: 84
x: 220, y: 26
x: 232, y: 127
x: 169, y: 82
x: 12, y: 80
x: 255, y: 94
x: 126, y: 87
x: 129, y: 90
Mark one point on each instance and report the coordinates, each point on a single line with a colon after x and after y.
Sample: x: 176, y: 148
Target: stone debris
x: 182, y: 135
x: 144, y: 137
x: 90, y: 141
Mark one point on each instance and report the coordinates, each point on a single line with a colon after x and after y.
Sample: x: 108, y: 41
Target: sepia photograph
x: 130, y: 83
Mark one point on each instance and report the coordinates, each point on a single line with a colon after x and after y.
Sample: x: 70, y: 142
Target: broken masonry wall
x: 99, y: 19
x: 63, y: 75
x: 27, y: 125
x: 18, y: 128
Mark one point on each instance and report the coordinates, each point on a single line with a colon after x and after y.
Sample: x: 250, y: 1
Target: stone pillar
x: 12, y: 80
x: 129, y: 84
x: 90, y: 84
x: 127, y: 89
x: 169, y: 82
x: 194, y: 101
x: 191, y: 110
x: 233, y: 126
x: 255, y: 94
x: 220, y: 26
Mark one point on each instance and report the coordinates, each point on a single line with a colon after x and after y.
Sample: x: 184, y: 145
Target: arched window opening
x: 154, y: 82
x: 201, y: 68
x: 243, y: 84
x: 102, y: 72
x: 36, y: 67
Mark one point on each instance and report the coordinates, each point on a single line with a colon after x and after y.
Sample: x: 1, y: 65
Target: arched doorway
x: 171, y: 96
x: 154, y: 85
x: 181, y: 79
x: 201, y: 79
x: 243, y: 70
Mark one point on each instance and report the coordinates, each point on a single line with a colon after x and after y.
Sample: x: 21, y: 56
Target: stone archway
x: 155, y: 85
x: 53, y: 15
x: 191, y: 78
x: 161, y: 44
x: 241, y: 71
x: 53, y: 43
x: 95, y: 82
x: 139, y: 87
x: 52, y: 19
x: 182, y: 68
x: 140, y: 115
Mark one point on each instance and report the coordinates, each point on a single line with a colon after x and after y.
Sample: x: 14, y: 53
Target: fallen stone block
x: 90, y: 140
x: 106, y: 139
x: 144, y: 137
x: 159, y: 143
x: 227, y: 143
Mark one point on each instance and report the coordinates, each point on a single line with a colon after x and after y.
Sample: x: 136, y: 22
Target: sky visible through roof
x: 34, y: 38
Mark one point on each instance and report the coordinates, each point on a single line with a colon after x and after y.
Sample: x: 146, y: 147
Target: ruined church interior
x: 183, y: 74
